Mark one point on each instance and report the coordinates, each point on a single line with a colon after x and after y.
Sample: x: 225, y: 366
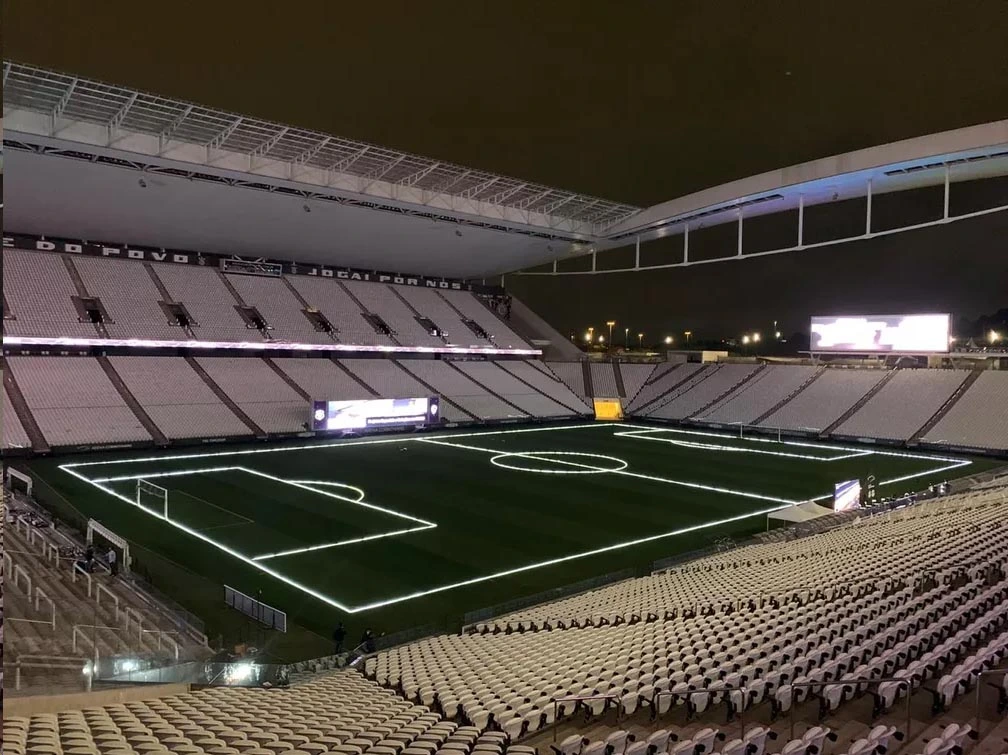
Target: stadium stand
x: 536, y: 375
x: 503, y: 384
x: 130, y: 298
x: 825, y: 400
x: 68, y: 614
x: 340, y: 712
x: 14, y: 435
x: 979, y: 419
x: 40, y: 294
x: 867, y: 588
x: 604, y: 380
x: 634, y: 376
x: 180, y: 403
x: 390, y: 380
x: 662, y: 380
x: 759, y: 395
x: 449, y: 381
x: 324, y: 379
x: 332, y: 300
x: 468, y: 306
x: 904, y: 404
x: 702, y: 391
x: 74, y: 402
x: 572, y: 375
x: 205, y: 295
x: 428, y: 303
x: 381, y: 300
x: 280, y: 308
x: 259, y: 392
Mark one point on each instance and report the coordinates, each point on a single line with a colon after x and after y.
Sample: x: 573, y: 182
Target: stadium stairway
x: 433, y: 391
x: 619, y: 381
x: 827, y: 431
x: 287, y: 379
x: 487, y: 388
x: 589, y: 384
x: 774, y: 409
x: 688, y: 382
x: 564, y: 401
x: 127, y: 396
x: 356, y: 378
x: 946, y: 407
x: 81, y: 289
x: 541, y: 334
x: 738, y: 386
x: 224, y: 398
x: 24, y: 413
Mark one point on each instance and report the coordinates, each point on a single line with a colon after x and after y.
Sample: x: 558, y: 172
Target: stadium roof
x: 125, y: 166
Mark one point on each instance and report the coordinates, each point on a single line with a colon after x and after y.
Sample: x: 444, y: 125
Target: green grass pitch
x: 393, y: 532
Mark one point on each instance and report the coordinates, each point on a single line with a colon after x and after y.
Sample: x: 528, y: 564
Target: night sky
x: 639, y: 102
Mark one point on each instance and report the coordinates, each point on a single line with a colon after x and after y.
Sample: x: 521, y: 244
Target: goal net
x: 151, y: 497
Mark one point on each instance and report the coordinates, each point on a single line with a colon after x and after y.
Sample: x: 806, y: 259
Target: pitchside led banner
x: 885, y: 333
x: 374, y: 413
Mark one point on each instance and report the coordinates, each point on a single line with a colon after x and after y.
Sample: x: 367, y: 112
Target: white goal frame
x: 117, y: 540
x: 149, y: 488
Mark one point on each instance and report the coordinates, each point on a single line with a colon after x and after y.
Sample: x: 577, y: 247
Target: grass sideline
x: 399, y: 531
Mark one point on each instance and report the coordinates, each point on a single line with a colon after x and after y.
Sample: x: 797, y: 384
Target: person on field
x: 339, y: 635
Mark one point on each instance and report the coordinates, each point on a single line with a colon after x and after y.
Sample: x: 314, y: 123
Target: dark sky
x: 639, y: 101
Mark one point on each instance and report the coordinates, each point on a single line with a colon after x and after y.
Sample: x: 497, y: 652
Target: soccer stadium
x: 298, y: 458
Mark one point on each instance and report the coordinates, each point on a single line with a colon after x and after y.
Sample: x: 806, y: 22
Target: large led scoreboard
x: 375, y: 414
x: 865, y: 334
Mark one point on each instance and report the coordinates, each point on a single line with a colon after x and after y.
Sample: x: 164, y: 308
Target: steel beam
x: 222, y: 137
x: 270, y: 143
x: 309, y: 153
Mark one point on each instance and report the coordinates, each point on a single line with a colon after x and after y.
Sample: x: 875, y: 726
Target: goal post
x: 94, y: 527
x: 151, y: 497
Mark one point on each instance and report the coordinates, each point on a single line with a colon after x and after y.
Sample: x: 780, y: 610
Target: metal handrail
x: 40, y: 594
x: 579, y: 698
x: 857, y: 681
x: 979, y: 686
x: 705, y: 691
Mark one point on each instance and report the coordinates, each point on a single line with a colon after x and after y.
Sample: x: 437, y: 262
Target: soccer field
x: 394, y: 532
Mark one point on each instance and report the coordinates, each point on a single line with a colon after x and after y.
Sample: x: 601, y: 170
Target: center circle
x: 558, y: 462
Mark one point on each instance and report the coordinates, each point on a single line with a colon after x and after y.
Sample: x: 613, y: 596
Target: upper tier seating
x: 705, y: 389
x: 979, y: 418
x: 634, y: 377
x: 280, y: 307
x: 39, y: 292
x: 330, y: 298
x: 74, y: 402
x: 471, y: 307
x: 759, y: 395
x: 904, y: 404
x: 179, y: 402
x: 381, y: 300
x: 206, y: 297
x: 130, y: 298
x: 859, y: 601
x: 14, y: 435
x: 825, y: 400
